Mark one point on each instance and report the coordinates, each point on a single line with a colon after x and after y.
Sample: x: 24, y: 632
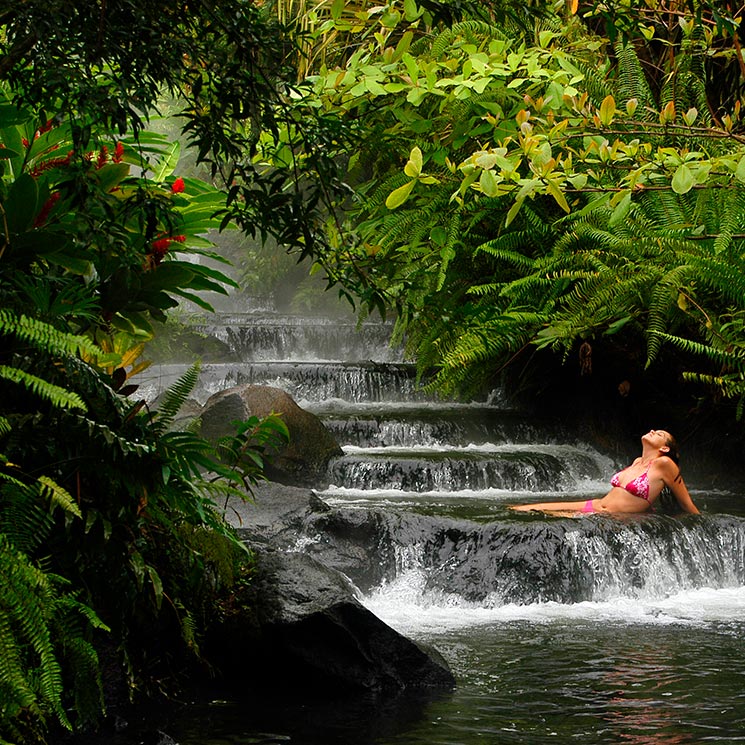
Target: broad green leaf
x: 411, y: 66
x: 621, y: 209
x: 438, y: 236
x: 683, y: 179
x: 607, y: 110
x: 740, y: 170
x: 555, y: 191
x: 512, y: 214
x: 403, y: 45
x: 413, y: 167
x: 168, y: 162
x: 11, y: 115
x: 489, y: 184
x: 690, y: 116
x: 22, y: 204
x: 111, y: 175
x: 416, y: 96
x: 374, y: 87
x: 398, y: 196
x: 411, y: 11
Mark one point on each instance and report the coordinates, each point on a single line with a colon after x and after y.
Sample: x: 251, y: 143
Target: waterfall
x: 438, y: 475
x: 590, y: 628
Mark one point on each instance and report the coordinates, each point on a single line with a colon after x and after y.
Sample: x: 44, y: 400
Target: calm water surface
x: 620, y: 672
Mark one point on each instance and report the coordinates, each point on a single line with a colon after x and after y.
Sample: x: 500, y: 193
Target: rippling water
x: 653, y: 656
x: 649, y: 672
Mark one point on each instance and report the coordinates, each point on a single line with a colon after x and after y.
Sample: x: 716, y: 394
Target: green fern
x: 176, y: 396
x: 44, y: 336
x: 55, y: 394
x: 33, y: 639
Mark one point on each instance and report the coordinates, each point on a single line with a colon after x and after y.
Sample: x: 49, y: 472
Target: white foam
x: 405, y: 606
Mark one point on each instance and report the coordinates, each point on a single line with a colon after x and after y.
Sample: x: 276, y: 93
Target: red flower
x: 158, y: 249
x: 103, y: 156
x: 41, y: 218
x: 178, y: 186
x: 179, y: 239
x: 118, y: 153
x: 51, y: 163
x: 24, y: 142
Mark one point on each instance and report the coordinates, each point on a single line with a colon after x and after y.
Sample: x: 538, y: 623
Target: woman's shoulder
x: 666, y: 466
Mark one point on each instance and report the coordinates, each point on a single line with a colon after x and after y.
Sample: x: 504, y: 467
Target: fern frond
x: 664, y: 301
x: 56, y: 395
x: 99, y: 430
x: 59, y: 496
x: 43, y: 336
x: 28, y: 665
x: 473, y: 31
x: 24, y: 518
x: 631, y: 80
x: 175, y: 397
x: 728, y: 358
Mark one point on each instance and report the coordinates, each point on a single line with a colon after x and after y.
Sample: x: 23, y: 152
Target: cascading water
x: 596, y: 628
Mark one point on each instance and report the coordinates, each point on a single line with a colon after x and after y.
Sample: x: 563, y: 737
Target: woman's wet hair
x: 674, y: 452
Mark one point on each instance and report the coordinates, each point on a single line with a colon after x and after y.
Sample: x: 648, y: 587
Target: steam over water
x: 587, y: 629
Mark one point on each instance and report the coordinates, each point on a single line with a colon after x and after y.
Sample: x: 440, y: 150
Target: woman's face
x: 657, y: 438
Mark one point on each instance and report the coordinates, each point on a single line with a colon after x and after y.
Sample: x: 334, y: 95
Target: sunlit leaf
x: 398, y: 196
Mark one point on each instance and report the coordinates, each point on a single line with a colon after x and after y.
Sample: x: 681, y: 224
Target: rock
x: 310, y: 633
x: 299, y: 625
x: 304, y: 460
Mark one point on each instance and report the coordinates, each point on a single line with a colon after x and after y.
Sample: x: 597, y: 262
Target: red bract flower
x: 24, y: 142
x: 118, y: 153
x: 103, y: 156
x: 178, y: 186
x: 179, y: 238
x: 159, y: 248
x: 51, y: 163
x: 41, y: 218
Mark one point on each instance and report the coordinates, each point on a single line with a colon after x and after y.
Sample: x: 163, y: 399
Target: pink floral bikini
x: 639, y: 487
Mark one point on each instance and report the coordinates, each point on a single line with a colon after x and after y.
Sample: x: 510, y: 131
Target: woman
x: 636, y: 487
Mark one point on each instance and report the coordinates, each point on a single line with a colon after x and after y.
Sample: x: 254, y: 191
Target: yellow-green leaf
x: 414, y: 165
x: 557, y: 194
x: 740, y: 170
x: 683, y: 179
x: 398, y: 196
x: 488, y: 183
x: 512, y: 214
x: 607, y: 110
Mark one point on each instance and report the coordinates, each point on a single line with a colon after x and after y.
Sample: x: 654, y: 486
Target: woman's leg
x: 585, y: 506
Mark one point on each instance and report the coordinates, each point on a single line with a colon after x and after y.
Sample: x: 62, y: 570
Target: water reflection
x: 633, y: 715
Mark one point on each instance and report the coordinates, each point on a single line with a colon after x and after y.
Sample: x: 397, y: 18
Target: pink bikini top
x: 639, y: 486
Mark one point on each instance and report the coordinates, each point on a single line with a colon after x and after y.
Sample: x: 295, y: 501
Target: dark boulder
x: 299, y: 624
x: 304, y: 460
x: 308, y: 633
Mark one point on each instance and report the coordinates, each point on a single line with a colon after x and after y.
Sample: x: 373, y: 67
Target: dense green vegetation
x: 113, y: 550
x: 507, y: 178
x: 569, y: 180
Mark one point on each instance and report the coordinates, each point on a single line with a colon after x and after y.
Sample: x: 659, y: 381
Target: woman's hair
x: 674, y: 452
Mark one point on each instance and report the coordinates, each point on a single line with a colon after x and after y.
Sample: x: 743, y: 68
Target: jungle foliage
x: 562, y: 180
x: 113, y: 548
x: 506, y: 176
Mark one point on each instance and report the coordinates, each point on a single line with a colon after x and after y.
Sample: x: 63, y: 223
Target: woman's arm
x: 671, y: 476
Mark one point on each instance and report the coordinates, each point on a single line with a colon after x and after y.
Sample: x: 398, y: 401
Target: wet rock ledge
x: 303, y: 628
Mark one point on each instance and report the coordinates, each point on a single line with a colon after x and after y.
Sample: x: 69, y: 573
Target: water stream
x: 587, y: 629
